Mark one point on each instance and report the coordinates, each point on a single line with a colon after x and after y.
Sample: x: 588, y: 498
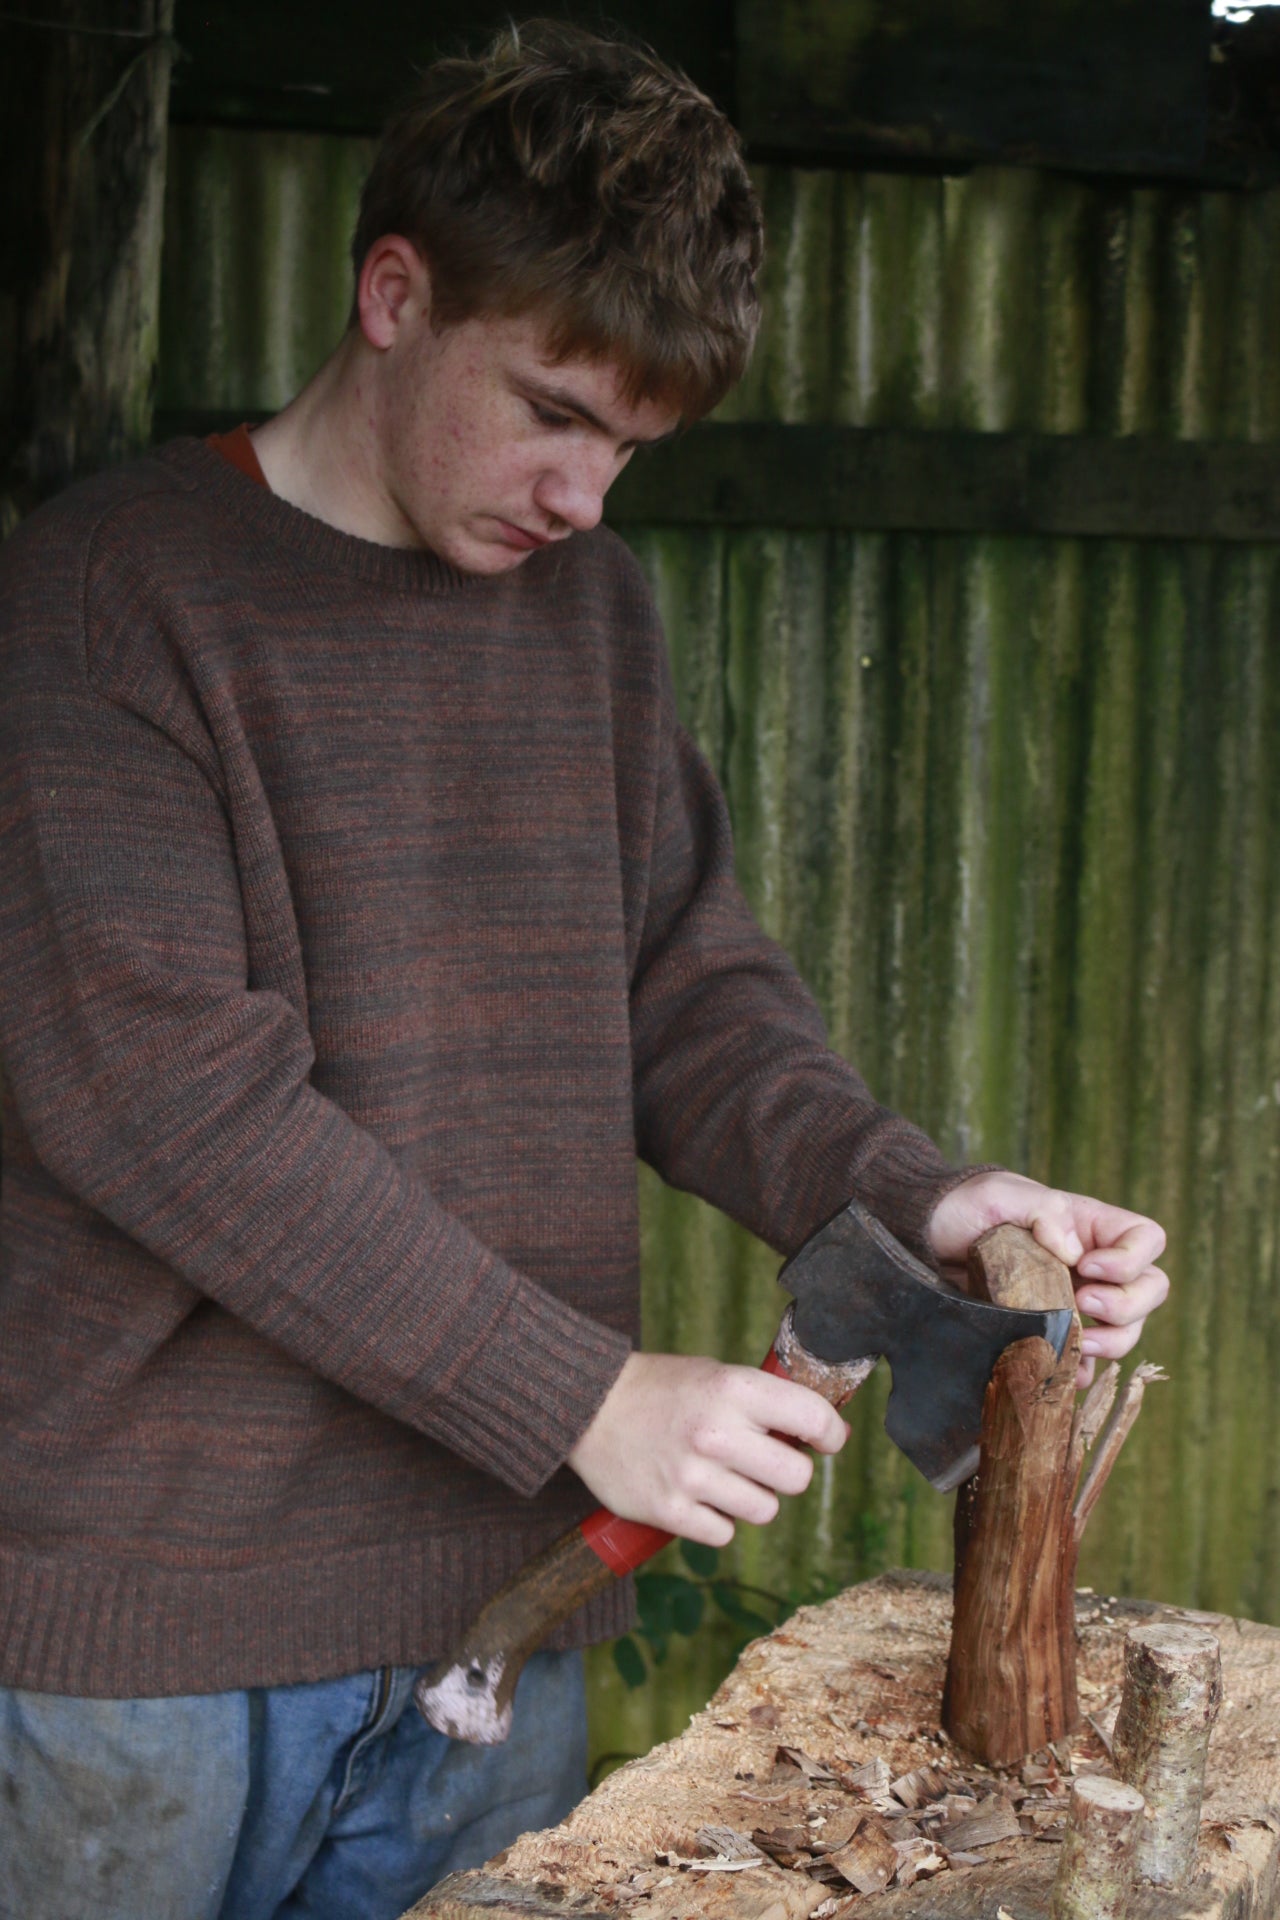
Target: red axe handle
x: 468, y: 1694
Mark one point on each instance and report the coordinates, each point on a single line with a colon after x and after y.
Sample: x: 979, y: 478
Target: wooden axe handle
x: 468, y: 1694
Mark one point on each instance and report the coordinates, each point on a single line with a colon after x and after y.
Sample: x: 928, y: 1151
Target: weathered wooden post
x: 84, y: 96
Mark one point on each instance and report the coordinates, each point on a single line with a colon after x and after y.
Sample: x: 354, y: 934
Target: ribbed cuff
x: 904, y: 1193
x: 524, y: 1397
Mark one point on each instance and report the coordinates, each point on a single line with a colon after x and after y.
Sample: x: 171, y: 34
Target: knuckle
x: 706, y: 1436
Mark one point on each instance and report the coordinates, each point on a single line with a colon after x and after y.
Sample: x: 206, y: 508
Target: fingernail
x: 1074, y: 1248
x: 1090, y: 1347
x: 1089, y: 1302
x: 1092, y: 1269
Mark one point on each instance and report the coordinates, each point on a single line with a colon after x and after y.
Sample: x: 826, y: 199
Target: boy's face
x: 487, y: 449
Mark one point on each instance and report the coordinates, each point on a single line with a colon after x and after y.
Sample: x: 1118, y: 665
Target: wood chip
x: 919, y: 1787
x: 727, y: 1843
x: 786, y: 1845
x: 917, y: 1860
x: 765, y: 1715
x: 812, y: 1769
x: 872, y: 1778
x: 992, y: 1821
x: 709, y: 1866
x: 869, y: 1861
x: 839, y: 1830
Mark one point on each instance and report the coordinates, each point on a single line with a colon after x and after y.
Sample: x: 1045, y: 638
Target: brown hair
x: 579, y: 177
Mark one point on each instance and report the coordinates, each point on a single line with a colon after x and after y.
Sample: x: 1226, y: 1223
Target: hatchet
x: 859, y: 1295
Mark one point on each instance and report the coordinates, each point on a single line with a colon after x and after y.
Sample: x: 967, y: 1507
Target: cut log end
x: 1096, y: 1866
x: 1172, y: 1694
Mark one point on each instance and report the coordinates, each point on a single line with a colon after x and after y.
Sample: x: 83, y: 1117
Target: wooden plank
x: 856, y: 1681
x: 940, y: 90
x: 316, y: 64
x: 1112, y: 86
x: 747, y: 474
x: 887, y: 480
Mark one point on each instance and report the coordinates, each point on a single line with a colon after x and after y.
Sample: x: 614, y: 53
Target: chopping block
x: 833, y: 1720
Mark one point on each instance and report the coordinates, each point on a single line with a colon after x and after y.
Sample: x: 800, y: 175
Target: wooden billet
x: 1172, y: 1694
x: 1096, y: 1865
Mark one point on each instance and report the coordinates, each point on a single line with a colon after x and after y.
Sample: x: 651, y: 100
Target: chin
x: 487, y: 556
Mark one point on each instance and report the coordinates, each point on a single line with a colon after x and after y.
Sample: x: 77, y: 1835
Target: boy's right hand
x: 692, y: 1445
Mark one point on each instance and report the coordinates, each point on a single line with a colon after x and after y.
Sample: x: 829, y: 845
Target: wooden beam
x: 891, y: 480
x: 1111, y: 86
x: 316, y: 64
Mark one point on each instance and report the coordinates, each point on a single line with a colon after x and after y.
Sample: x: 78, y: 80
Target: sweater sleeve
x: 164, y: 1087
x: 738, y: 1096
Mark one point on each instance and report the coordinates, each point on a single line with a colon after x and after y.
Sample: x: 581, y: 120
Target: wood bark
x: 84, y: 92
x: 1172, y: 1695
x: 1096, y: 1866
x: 1011, y: 1678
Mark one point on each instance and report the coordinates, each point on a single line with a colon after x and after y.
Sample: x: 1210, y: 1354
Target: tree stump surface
x: 856, y: 1682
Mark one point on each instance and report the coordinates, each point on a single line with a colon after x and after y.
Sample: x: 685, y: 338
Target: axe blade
x: 859, y: 1292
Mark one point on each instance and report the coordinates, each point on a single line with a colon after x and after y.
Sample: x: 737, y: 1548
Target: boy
x: 365, y: 911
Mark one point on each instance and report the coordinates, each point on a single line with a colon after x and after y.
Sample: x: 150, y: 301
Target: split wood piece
x: 1116, y: 1431
x: 1011, y: 1678
x: 1091, y: 1414
x: 1097, y: 1864
x: 1172, y: 1693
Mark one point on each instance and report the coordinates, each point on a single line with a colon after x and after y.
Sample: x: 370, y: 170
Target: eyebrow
x: 569, y: 403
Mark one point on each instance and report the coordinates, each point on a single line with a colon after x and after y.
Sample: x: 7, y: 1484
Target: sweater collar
x: 267, y: 517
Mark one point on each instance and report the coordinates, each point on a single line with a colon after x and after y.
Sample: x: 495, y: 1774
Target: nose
x: 574, y: 489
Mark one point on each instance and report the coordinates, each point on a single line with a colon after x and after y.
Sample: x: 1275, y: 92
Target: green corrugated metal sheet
x: 1011, y: 803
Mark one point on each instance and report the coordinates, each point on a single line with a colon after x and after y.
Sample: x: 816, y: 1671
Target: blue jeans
x: 334, y: 1801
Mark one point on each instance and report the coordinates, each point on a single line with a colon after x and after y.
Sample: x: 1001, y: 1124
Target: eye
x: 549, y: 416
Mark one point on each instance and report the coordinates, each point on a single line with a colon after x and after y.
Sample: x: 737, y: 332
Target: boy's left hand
x: 1111, y: 1252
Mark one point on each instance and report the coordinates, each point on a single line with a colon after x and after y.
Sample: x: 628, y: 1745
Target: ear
x: 394, y: 285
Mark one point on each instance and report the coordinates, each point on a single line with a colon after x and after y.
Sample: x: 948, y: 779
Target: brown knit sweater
x: 361, y: 922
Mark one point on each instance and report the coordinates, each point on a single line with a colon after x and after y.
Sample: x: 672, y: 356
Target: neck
x: 320, y: 452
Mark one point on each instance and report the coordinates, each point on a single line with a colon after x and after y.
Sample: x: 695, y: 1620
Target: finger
x: 775, y: 1405
x: 777, y: 1464
x: 1053, y: 1224
x: 733, y: 1495
x: 1121, y: 1306
x: 1110, y: 1343
x: 1121, y: 1243
x: 1084, y: 1373
x: 689, y: 1521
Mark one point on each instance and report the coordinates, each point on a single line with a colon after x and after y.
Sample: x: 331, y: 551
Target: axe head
x: 860, y: 1293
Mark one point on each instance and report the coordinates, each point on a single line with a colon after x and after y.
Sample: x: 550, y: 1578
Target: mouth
x: 521, y: 538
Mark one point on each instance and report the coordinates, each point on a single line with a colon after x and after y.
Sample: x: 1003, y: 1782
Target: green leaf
x: 629, y: 1661
x: 686, y: 1608
x: 665, y: 1601
x: 699, y: 1559
x: 729, y: 1602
